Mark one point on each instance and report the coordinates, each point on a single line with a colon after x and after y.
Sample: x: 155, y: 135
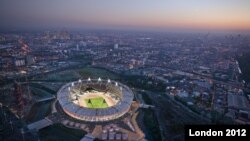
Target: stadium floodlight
x: 109, y: 81
x: 80, y: 81
x: 99, y: 79
x: 89, y: 79
x: 116, y: 84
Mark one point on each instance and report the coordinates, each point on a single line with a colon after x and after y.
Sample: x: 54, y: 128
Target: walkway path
x: 40, y: 124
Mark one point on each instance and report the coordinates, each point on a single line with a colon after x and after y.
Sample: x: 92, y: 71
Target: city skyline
x: 225, y: 15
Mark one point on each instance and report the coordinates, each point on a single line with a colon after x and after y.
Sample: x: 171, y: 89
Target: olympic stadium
x: 95, y: 100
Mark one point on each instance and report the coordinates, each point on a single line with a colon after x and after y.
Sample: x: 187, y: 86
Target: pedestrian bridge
x: 40, y: 124
x: 45, y: 99
x: 146, y: 106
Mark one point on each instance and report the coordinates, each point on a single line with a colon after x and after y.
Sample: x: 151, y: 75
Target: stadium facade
x: 68, y: 97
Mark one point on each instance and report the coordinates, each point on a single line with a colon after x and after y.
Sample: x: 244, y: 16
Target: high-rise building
x: 77, y: 47
x: 30, y: 60
x: 116, y: 46
x: 19, y: 61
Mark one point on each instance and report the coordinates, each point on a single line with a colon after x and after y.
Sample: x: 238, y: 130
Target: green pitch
x: 95, y: 103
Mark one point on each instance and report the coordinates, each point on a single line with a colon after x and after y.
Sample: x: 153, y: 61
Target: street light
x: 11, y: 125
x: 1, y: 107
x: 4, y: 116
x: 22, y: 132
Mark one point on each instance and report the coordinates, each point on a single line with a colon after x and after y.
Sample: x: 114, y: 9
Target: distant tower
x: 116, y: 46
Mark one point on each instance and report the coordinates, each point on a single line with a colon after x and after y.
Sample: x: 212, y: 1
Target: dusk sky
x: 165, y: 14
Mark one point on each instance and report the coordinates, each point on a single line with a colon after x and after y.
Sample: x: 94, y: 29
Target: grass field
x: 97, y: 102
